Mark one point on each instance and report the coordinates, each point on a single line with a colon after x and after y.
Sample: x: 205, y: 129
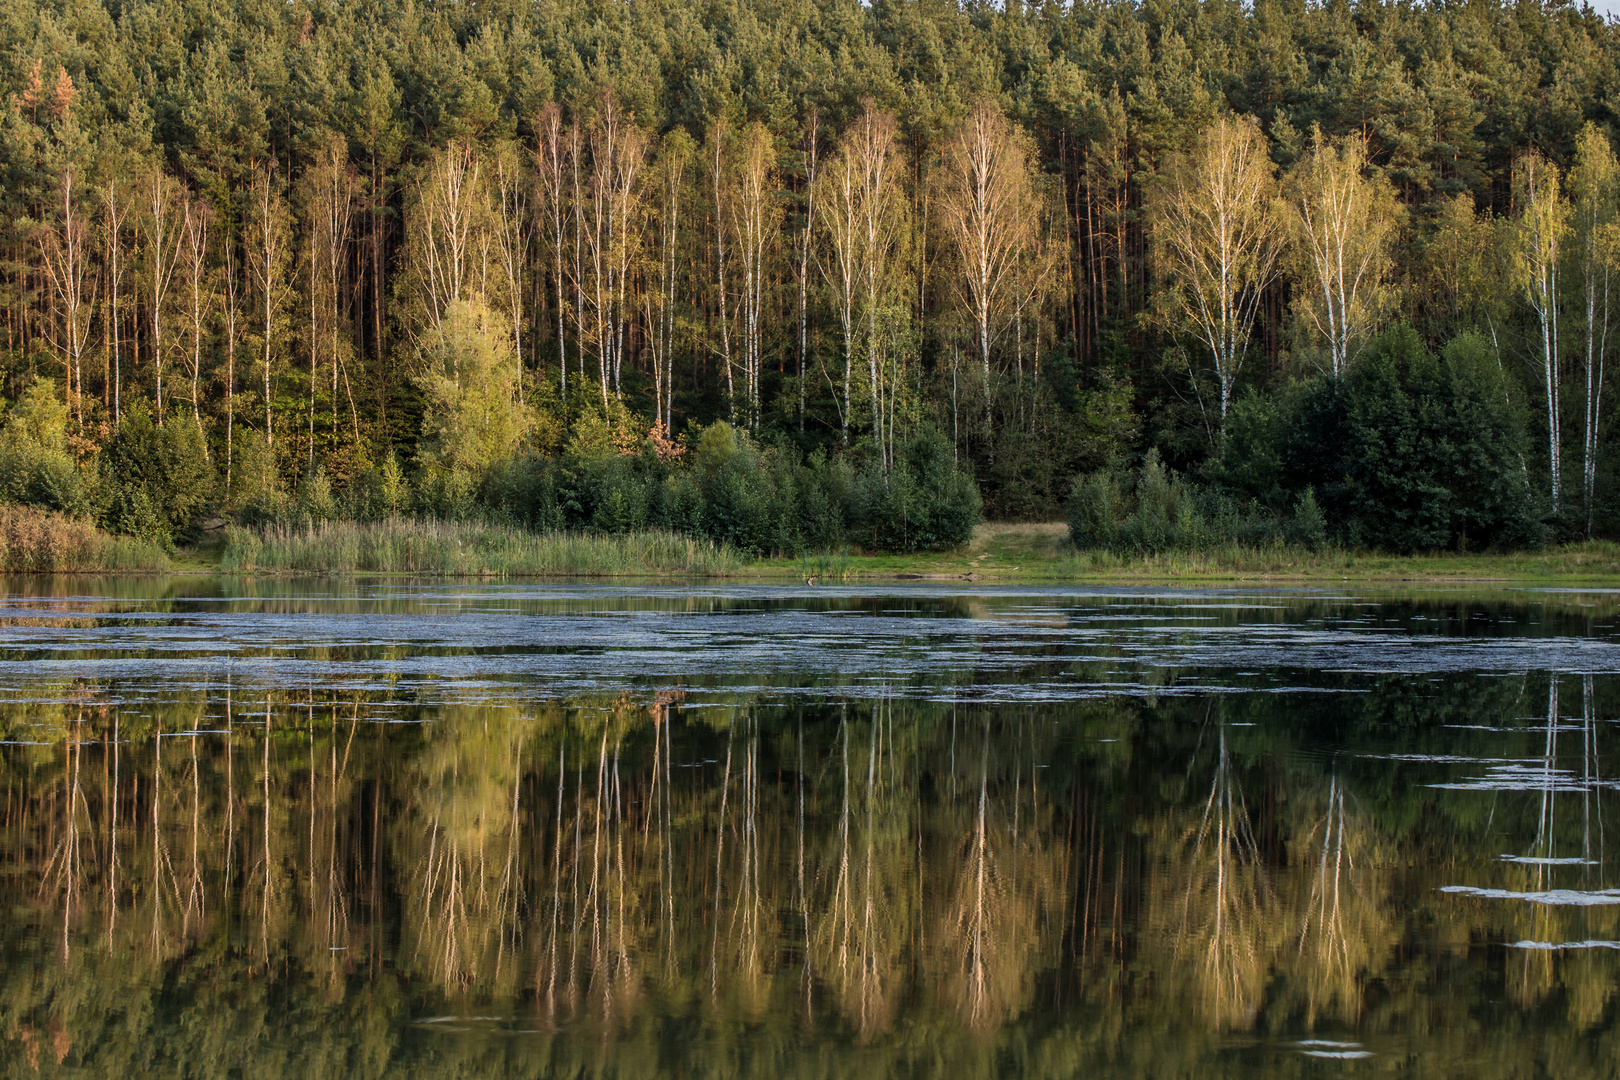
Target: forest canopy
x: 507, y: 259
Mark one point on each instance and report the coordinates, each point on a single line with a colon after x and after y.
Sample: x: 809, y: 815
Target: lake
x: 300, y: 828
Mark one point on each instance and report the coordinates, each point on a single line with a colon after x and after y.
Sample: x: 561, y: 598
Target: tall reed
x: 35, y: 541
x: 458, y: 549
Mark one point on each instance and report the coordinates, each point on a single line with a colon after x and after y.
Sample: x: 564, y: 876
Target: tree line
x: 330, y: 236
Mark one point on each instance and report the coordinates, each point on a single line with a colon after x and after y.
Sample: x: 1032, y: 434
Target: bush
x: 315, y: 503
x: 1308, y: 529
x: 254, y: 493
x: 34, y: 540
x: 923, y: 503
x: 165, y: 467
x: 1166, y: 512
x: 1093, y: 511
x: 35, y: 467
x: 1409, y: 452
x: 470, y: 377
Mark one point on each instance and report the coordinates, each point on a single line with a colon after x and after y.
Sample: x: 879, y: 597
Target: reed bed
x: 465, y: 549
x: 35, y: 541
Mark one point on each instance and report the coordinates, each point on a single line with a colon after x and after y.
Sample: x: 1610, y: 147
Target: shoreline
x: 999, y: 554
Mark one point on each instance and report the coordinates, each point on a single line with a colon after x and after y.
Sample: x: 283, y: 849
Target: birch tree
x: 64, y: 249
x: 197, y: 216
x: 1219, y: 237
x: 333, y: 186
x: 551, y: 152
x: 442, y: 239
x: 613, y: 240
x: 162, y: 232
x: 674, y: 157
x: 269, y: 245
x: 232, y: 311
x: 840, y: 198
x: 512, y: 229
x: 812, y: 138
x: 715, y: 159
x: 1343, y: 224
x: 873, y: 145
x: 1594, y: 186
x: 989, y: 213
x: 114, y: 215
x: 754, y: 217
x: 1542, y: 225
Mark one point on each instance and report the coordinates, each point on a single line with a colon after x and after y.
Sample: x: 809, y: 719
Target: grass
x: 456, y: 549
x: 1039, y: 552
x: 35, y: 541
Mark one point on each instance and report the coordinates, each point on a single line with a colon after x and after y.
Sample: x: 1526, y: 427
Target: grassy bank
x: 35, y: 541
x: 454, y: 549
x: 1042, y: 552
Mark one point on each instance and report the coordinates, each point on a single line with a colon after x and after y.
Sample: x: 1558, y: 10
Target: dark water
x: 284, y: 830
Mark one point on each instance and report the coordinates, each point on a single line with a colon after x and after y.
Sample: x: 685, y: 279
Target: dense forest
x: 1335, y: 271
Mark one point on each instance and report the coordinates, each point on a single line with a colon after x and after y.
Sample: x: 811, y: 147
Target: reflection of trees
x: 1553, y: 857
x: 464, y: 897
x: 1343, y: 917
x: 1222, y: 924
x: 707, y: 872
x: 858, y: 934
x: 999, y: 882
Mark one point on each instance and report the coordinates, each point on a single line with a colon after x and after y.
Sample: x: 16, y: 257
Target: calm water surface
x: 277, y: 829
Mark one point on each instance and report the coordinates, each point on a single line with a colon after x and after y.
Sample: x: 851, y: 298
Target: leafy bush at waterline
x: 757, y: 501
x: 1409, y: 452
x: 1163, y: 512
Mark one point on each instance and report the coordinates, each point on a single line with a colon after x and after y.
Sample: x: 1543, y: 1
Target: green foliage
x: 923, y: 503
x: 255, y: 492
x: 1094, y: 511
x: 1411, y: 452
x: 35, y: 467
x: 1165, y: 512
x: 1308, y: 529
x: 162, y: 480
x: 355, y: 107
x: 315, y: 502
x: 474, y: 416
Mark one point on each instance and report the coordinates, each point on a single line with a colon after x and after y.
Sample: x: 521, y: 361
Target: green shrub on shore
x: 757, y: 500
x: 38, y: 541
x: 1409, y: 451
x: 1163, y: 512
x: 409, y: 546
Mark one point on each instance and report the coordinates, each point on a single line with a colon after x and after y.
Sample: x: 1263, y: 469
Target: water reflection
x: 519, y: 881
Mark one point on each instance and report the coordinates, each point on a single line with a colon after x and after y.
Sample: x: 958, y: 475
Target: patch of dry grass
x: 35, y: 541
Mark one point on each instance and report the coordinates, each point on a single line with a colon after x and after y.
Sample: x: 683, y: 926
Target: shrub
x: 254, y: 493
x: 1410, y: 451
x: 35, y: 540
x: 474, y: 416
x: 35, y: 467
x: 168, y: 465
x: 1308, y: 529
x: 1166, y: 512
x: 923, y: 503
x: 739, y: 499
x: 315, y: 502
x: 1093, y: 511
